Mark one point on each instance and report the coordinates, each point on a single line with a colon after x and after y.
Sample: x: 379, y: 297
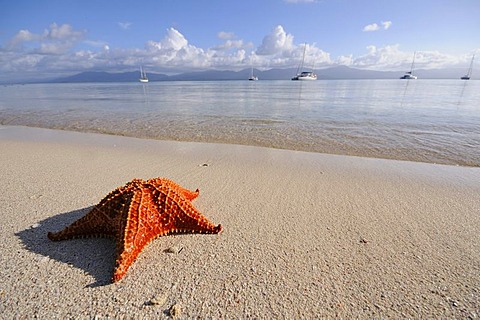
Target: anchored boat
x: 304, y: 75
x: 143, y: 75
x: 409, y: 75
x: 469, y: 72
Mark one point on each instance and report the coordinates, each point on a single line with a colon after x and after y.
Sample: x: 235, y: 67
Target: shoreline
x: 305, y: 234
x: 331, y: 147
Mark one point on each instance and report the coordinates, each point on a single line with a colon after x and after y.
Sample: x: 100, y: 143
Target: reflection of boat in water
x: 304, y: 75
x: 143, y: 75
x: 469, y: 72
x: 252, y: 76
x: 409, y: 75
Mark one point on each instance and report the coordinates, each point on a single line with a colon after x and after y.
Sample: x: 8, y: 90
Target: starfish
x: 137, y: 213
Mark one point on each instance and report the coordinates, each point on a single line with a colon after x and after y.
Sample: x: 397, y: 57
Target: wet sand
x: 305, y: 234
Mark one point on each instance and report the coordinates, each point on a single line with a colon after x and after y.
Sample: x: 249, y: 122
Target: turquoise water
x: 424, y: 120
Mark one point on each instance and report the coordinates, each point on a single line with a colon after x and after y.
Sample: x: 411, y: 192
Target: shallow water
x: 434, y: 121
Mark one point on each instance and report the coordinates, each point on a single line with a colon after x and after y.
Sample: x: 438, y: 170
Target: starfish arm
x: 104, y: 220
x: 136, y: 234
x: 155, y: 212
x: 188, y: 194
x: 85, y: 227
x: 185, y: 218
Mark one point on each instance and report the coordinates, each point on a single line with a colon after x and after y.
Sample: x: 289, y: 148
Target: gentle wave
x: 436, y: 121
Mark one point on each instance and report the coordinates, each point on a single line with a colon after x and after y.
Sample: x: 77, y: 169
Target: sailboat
x: 469, y: 73
x: 305, y: 75
x: 252, y: 77
x: 143, y: 75
x: 409, y: 75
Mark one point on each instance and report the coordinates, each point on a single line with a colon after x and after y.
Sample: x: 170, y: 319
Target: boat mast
x: 300, y: 66
x: 471, y: 67
x: 413, y: 63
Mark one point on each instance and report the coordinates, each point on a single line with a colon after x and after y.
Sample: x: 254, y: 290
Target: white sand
x: 305, y: 235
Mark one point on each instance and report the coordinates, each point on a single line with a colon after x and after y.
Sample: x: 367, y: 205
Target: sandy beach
x: 305, y: 235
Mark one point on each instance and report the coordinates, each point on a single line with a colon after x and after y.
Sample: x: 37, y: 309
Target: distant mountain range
x: 339, y: 72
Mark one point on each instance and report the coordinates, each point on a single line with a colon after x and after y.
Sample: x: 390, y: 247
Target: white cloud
x: 376, y: 27
x: 54, y: 50
x: 379, y: 57
x: 55, y: 40
x: 386, y: 24
x: 21, y: 37
x: 63, y: 32
x: 371, y: 27
x: 230, y: 44
x: 172, y: 51
x: 392, y: 58
x: 276, y: 42
x: 173, y: 40
x: 345, y: 60
x: 125, y: 25
x: 96, y: 44
x: 226, y: 35
x: 276, y: 50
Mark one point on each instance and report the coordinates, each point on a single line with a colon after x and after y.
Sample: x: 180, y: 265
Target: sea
x: 434, y: 121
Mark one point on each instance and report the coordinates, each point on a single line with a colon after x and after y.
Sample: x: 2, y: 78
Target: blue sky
x: 58, y: 37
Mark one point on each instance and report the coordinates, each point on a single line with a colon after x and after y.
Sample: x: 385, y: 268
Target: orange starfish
x: 137, y: 213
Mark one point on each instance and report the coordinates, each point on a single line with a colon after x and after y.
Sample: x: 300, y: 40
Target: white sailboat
x: 409, y: 75
x: 143, y: 75
x: 304, y: 75
x: 252, y: 76
x: 469, y: 72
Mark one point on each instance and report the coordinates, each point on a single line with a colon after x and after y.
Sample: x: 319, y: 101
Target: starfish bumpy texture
x: 135, y: 214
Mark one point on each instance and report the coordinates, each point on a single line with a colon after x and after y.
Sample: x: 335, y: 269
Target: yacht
x: 252, y: 76
x: 304, y: 75
x: 469, y: 72
x: 143, y: 75
x: 409, y: 75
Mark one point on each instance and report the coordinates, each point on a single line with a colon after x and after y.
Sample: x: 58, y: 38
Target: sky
x: 51, y: 38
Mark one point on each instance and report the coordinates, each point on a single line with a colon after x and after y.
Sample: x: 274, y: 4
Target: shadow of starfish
x: 95, y: 256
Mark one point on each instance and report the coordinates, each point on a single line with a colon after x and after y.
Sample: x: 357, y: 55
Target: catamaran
x: 470, y: 69
x: 143, y: 75
x: 409, y: 75
x: 304, y: 75
x: 252, y: 76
